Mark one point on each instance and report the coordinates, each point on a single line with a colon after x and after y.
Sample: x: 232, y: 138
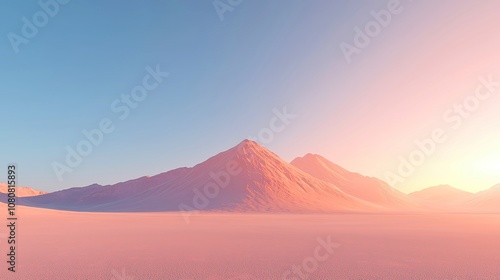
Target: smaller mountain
x: 485, y: 201
x: 21, y: 191
x: 443, y: 195
x: 366, y: 188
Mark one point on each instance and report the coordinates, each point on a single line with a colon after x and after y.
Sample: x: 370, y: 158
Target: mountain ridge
x: 251, y: 178
x: 247, y: 177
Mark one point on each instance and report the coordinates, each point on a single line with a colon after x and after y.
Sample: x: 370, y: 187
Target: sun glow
x: 489, y: 165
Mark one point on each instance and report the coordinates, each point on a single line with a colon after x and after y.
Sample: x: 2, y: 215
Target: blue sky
x: 226, y: 78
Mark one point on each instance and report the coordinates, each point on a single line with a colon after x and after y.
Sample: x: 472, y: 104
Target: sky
x: 234, y: 68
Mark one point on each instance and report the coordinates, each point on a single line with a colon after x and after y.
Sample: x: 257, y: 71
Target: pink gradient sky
x: 426, y: 60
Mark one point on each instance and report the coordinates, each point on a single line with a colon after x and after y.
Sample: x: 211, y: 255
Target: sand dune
x: 58, y: 245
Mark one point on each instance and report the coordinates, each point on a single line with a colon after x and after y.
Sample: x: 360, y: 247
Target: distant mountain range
x: 21, y: 191
x: 486, y: 200
x: 443, y: 194
x: 451, y: 198
x: 250, y: 178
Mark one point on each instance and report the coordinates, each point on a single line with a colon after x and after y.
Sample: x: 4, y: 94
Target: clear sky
x: 227, y: 76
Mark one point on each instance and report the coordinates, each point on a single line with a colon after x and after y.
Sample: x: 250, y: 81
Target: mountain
x: 488, y: 200
x: 245, y: 178
x: 442, y: 194
x: 461, y: 201
x: 369, y: 189
x: 250, y: 178
x: 21, y: 191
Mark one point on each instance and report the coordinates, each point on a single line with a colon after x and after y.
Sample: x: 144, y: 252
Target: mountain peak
x: 314, y: 161
x: 444, y: 194
x: 312, y: 157
x: 248, y: 148
x: 443, y: 187
x: 248, y: 144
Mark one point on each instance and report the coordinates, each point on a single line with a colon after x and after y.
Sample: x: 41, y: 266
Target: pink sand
x: 65, y: 245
